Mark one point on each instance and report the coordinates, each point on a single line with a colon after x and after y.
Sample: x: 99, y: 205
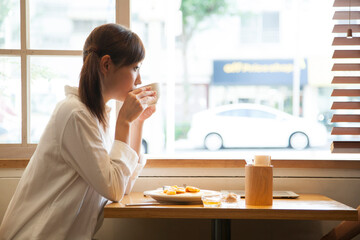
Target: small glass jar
x: 211, y: 200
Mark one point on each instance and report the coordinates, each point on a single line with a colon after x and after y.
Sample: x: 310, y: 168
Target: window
x: 47, y: 81
x: 40, y: 52
x: 10, y: 24
x: 248, y: 52
x: 230, y: 52
x: 259, y: 27
x: 261, y: 114
x: 10, y: 100
x: 270, y: 24
x: 235, y: 113
x: 66, y: 24
x: 251, y: 113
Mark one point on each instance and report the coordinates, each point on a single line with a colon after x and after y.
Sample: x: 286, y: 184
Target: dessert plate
x: 187, y: 197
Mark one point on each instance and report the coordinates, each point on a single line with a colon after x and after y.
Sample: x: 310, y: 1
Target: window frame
x: 24, y: 150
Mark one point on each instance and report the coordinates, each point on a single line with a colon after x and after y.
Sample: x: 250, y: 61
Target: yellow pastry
x: 180, y: 190
x: 192, y: 189
x: 171, y: 192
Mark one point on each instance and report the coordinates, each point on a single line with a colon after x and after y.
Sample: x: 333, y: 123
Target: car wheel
x: 144, y: 147
x: 213, y: 142
x: 298, y: 141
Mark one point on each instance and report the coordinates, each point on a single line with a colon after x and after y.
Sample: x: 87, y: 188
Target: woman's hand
x: 147, y: 113
x: 136, y: 104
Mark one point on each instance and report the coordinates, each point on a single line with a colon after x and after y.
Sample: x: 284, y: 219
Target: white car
x: 253, y: 125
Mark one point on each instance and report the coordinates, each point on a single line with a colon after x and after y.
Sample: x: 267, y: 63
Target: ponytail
x: 90, y: 87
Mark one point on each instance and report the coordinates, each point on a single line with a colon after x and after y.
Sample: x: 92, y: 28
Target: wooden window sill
x: 219, y: 163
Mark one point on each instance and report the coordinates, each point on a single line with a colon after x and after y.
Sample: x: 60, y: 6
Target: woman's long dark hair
x: 124, y: 48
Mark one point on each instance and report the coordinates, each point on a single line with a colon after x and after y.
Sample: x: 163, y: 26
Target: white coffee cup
x: 154, y: 87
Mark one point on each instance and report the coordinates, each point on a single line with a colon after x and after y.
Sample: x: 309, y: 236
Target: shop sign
x: 258, y: 72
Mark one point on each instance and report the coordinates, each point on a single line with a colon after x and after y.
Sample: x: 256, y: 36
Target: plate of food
x: 188, y: 194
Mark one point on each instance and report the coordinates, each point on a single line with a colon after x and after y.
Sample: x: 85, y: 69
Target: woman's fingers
x: 147, y: 100
x: 147, y: 113
x: 142, y: 89
x: 143, y: 94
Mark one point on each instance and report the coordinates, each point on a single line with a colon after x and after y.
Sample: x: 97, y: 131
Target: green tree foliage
x: 195, y: 12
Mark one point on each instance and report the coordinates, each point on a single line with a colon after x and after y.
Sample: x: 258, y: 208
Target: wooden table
x: 306, y: 207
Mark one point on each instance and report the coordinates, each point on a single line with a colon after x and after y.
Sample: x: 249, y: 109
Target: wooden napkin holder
x: 258, y: 185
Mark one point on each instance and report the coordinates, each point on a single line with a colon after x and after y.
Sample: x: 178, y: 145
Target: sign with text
x: 258, y: 72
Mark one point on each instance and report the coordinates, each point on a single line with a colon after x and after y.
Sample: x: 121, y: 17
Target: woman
x: 76, y: 167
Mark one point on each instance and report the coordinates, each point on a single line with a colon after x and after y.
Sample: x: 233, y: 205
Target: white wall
x: 341, y: 185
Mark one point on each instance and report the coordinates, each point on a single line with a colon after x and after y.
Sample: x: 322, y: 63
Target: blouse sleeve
x: 82, y: 148
x: 135, y: 175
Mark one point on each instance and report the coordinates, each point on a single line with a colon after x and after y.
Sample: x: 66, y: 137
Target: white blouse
x: 74, y: 170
